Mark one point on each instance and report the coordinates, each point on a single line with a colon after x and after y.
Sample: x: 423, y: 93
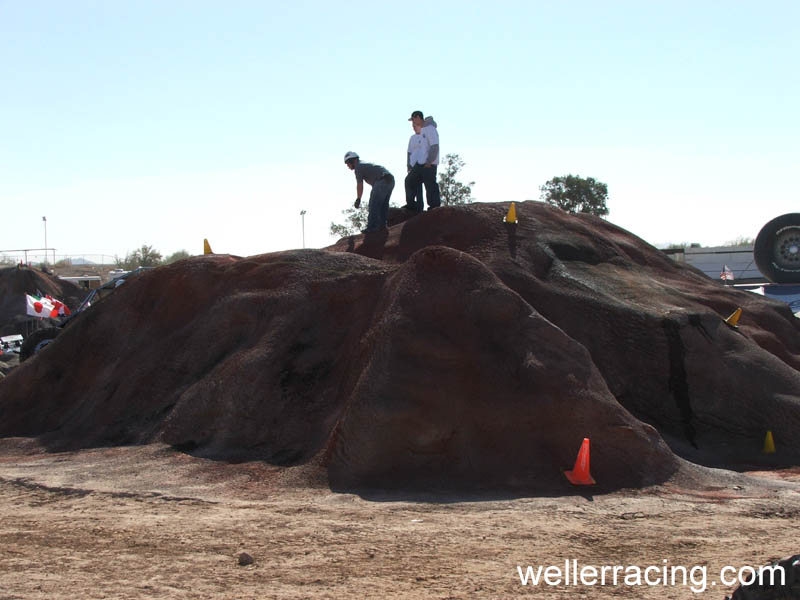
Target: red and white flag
x: 45, y: 306
x: 727, y: 274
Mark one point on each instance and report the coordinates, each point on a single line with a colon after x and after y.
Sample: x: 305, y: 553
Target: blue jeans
x: 379, y: 204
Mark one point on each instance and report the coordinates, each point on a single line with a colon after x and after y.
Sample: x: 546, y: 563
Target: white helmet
x: 349, y: 156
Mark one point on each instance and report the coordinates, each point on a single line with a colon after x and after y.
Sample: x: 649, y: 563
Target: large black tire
x: 36, y: 341
x: 777, y: 249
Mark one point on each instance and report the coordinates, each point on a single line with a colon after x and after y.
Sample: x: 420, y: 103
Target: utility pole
x: 45, y: 239
x: 303, y: 221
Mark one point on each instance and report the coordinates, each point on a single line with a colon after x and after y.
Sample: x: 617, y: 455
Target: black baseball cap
x: 416, y: 113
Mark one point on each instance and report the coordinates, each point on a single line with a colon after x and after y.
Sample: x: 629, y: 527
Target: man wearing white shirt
x: 430, y: 136
x: 415, y: 163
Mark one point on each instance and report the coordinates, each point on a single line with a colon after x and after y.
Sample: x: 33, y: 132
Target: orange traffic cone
x: 580, y: 472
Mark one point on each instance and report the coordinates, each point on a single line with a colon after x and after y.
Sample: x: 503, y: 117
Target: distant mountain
x: 82, y: 261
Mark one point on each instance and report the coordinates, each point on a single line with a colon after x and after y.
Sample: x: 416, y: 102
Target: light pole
x: 45, y: 239
x: 303, y: 222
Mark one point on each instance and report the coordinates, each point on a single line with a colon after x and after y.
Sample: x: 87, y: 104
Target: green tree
x: 355, y: 221
x: 149, y: 257
x: 575, y: 194
x: 176, y: 256
x: 740, y: 241
x: 146, y: 256
x: 451, y: 190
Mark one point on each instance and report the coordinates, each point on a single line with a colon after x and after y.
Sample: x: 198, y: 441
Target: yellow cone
x: 206, y: 247
x: 734, y: 318
x: 769, y: 444
x: 511, y: 217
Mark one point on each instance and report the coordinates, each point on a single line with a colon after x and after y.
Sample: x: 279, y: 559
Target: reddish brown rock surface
x: 454, y: 350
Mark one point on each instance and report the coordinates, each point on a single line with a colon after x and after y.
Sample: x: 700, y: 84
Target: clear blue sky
x: 164, y: 122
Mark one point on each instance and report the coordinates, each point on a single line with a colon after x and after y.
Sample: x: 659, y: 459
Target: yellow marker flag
x: 769, y: 444
x: 206, y: 247
x: 734, y: 318
x: 511, y: 217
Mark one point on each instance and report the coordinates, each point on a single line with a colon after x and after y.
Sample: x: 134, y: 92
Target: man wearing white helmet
x: 382, y: 183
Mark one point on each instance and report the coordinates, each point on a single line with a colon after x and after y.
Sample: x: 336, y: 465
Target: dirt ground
x: 149, y: 522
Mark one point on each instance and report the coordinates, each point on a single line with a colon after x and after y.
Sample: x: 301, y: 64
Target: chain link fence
x: 36, y: 257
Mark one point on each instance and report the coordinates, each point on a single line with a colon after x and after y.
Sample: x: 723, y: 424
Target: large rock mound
x: 653, y: 327
x: 456, y: 351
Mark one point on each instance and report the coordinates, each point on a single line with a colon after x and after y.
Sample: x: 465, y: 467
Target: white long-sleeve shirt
x: 431, y: 136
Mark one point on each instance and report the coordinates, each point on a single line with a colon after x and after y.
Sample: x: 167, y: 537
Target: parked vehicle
x: 40, y: 338
x: 777, y: 249
x: 11, y: 344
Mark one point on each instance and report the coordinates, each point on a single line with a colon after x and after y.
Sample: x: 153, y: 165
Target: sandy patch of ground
x: 148, y: 522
